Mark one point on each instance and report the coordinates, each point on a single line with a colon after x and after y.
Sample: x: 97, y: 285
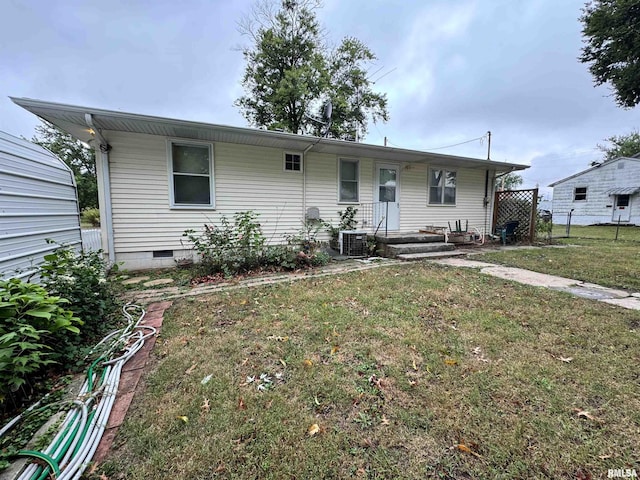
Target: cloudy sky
x: 454, y: 70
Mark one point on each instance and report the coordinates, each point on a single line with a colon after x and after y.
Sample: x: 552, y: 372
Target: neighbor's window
x: 192, y: 174
x: 348, y: 183
x: 580, y: 193
x: 292, y: 162
x: 442, y: 187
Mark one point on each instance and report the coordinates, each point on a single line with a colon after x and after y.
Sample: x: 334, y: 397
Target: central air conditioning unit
x: 353, y: 243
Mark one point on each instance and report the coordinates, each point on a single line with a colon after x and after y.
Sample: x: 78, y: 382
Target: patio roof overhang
x: 73, y: 120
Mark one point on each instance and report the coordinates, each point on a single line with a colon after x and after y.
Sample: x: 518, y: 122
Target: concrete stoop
x: 396, y: 250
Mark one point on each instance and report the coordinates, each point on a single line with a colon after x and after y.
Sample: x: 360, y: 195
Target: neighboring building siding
x: 252, y: 178
x: 37, y: 202
x: 598, y: 207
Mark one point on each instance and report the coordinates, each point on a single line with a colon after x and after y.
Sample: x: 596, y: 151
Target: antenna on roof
x: 327, y: 110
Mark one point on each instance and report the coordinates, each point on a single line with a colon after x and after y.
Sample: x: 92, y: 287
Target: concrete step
x: 405, y: 248
x: 429, y: 255
x: 395, y: 238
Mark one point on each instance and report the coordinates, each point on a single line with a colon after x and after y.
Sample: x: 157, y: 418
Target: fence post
x: 617, y: 227
x: 534, y: 216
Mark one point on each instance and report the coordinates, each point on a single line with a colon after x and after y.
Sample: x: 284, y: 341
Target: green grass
x: 397, y: 366
x: 597, y: 258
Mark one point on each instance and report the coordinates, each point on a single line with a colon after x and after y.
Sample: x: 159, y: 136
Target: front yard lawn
x: 410, y: 372
x: 594, y: 259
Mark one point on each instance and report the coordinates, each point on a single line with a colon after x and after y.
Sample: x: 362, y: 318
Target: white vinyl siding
x: 349, y: 181
x: 252, y: 178
x: 598, y: 205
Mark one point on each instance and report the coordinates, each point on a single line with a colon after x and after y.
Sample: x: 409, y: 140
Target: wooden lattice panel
x: 520, y: 206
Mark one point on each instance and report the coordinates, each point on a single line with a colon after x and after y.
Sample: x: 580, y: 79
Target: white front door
x: 621, y: 208
x: 386, y: 209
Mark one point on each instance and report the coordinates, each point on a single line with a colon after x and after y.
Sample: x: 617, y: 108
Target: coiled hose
x: 73, y: 447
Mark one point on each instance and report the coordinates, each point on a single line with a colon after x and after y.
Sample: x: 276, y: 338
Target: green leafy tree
x: 350, y: 91
x: 621, y: 146
x: 510, y: 181
x: 611, y: 30
x: 290, y: 73
x: 79, y: 158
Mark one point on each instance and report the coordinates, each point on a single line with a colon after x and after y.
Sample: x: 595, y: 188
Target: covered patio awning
x: 623, y: 191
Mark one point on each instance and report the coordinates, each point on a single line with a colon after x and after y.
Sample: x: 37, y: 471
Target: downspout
x: 304, y: 178
x: 102, y: 163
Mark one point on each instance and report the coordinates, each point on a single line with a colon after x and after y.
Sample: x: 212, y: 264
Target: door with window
x: 386, y: 209
x: 621, y: 209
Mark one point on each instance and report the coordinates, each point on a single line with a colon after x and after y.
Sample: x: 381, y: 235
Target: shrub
x: 92, y: 216
x: 347, y: 221
x: 32, y: 322
x: 80, y: 277
x: 231, y: 248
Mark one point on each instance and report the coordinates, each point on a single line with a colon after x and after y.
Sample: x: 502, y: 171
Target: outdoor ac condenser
x: 353, y: 243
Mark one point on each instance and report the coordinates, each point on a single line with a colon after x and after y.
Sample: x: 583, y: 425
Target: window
x: 191, y: 168
x: 348, y: 183
x: 442, y: 187
x: 292, y: 162
x: 580, y: 193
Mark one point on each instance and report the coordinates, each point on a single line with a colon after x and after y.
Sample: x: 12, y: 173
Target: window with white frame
x: 348, y: 183
x: 191, y: 168
x: 292, y: 162
x: 442, y: 187
x: 580, y: 193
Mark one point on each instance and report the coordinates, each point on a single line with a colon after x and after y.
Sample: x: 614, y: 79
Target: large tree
x: 78, y: 157
x: 621, y: 146
x: 291, y: 73
x: 611, y: 30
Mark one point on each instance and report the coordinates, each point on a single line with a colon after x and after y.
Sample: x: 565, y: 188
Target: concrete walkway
x: 620, y: 298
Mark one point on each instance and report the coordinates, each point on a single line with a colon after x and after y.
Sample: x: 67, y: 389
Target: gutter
x: 102, y: 162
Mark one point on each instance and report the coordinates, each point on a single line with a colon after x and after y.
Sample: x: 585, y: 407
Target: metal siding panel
x: 37, y: 201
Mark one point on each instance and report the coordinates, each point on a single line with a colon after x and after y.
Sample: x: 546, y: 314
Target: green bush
x: 80, y: 277
x: 32, y: 323
x: 238, y: 247
x: 92, y: 216
x: 347, y: 221
x: 231, y: 248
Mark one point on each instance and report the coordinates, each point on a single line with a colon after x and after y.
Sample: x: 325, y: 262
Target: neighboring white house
x: 38, y: 201
x: 605, y: 193
x: 159, y: 176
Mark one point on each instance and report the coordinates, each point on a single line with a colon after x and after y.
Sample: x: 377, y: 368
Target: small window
x: 580, y: 193
x: 292, y: 162
x: 191, y: 168
x: 442, y: 187
x: 348, y: 183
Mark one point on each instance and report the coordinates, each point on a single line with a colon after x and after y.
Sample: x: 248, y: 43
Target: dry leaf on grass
x: 450, y: 362
x: 189, y: 370
x: 584, y: 414
x: 307, y: 363
x: 313, y: 429
x: 384, y: 420
x: 463, y: 448
x: 183, y: 418
x: 335, y: 349
x: 205, y: 407
x: 415, y: 367
x: 565, y: 359
x: 241, y: 404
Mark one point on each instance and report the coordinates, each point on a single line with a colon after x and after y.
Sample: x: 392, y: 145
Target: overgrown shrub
x: 240, y: 246
x: 231, y: 248
x: 91, y: 216
x: 81, y: 278
x: 32, y: 324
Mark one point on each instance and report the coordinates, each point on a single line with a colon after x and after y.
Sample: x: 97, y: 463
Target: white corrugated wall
x: 37, y: 202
